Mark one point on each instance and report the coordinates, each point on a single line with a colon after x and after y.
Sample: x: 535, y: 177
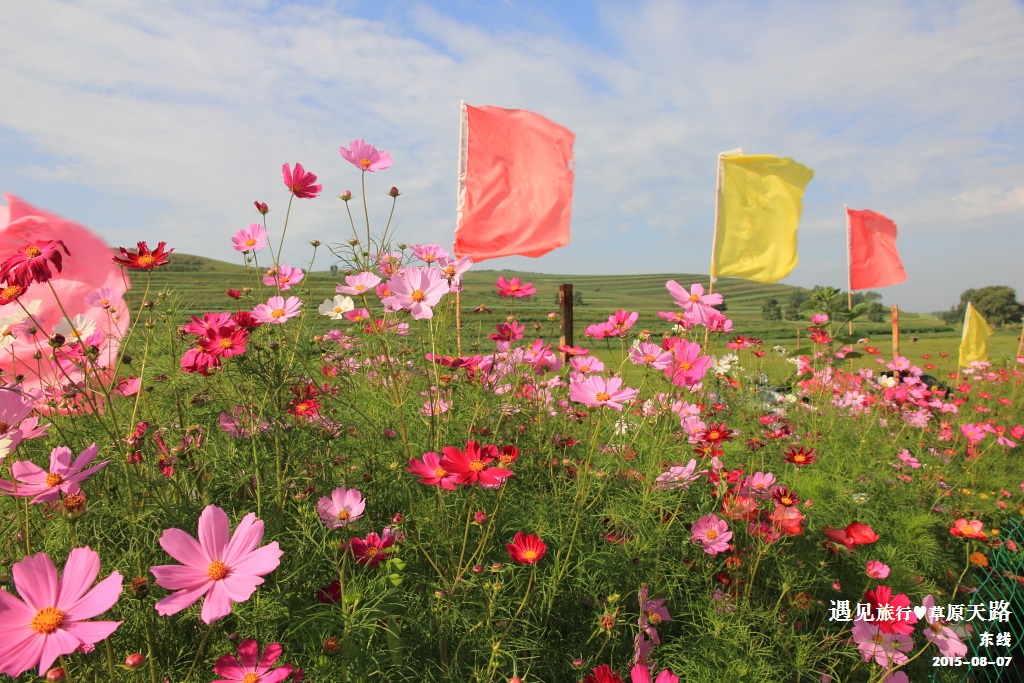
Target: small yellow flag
x: 758, y: 213
x: 976, y: 333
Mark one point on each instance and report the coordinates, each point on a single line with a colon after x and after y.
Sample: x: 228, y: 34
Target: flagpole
x: 459, y: 179
x: 849, y: 266
x: 719, y: 172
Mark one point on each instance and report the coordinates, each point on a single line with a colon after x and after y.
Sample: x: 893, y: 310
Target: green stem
x: 199, y: 654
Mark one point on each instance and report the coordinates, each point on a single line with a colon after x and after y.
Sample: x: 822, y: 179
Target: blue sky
x: 166, y: 120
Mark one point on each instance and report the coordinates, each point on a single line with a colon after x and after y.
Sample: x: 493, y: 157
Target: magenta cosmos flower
x: 63, y: 476
x: 252, y: 238
x: 416, y: 289
x: 300, y: 182
x: 372, y: 550
x: 595, y: 390
x: 688, y: 367
x: 224, y: 570
x: 32, y: 263
x: 641, y: 674
x: 526, y: 548
x: 277, y: 311
x: 365, y: 157
x: 431, y: 472
x: 699, y: 306
x: 713, y: 533
x: 344, y: 506
x: 50, y: 619
x: 249, y: 667
x: 472, y: 466
x: 514, y: 287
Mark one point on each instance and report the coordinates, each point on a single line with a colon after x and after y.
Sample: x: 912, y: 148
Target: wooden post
x: 565, y: 308
x: 797, y: 337
x: 895, y: 330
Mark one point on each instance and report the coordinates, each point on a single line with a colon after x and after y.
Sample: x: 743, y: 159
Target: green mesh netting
x: 1002, y: 580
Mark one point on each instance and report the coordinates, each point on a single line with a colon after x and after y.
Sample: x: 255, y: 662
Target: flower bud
x: 397, y: 518
x: 262, y: 207
x: 56, y: 675
x: 578, y: 663
x: 332, y: 646
x: 148, y: 303
x: 315, y: 243
x: 139, y: 586
x: 135, y: 661
x: 233, y: 637
x: 345, y: 196
x: 73, y: 507
x: 479, y: 516
x: 56, y: 340
x: 393, y: 192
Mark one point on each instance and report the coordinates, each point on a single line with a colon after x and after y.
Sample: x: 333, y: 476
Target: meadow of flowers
x: 241, y: 498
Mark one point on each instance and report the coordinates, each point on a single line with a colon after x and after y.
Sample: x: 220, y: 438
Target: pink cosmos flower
x: 62, y: 478
x: 300, y: 182
x: 277, y: 311
x: 129, y: 386
x: 679, y: 477
x: 514, y: 287
x: 877, y: 570
x: 454, y: 270
x: 357, y: 284
x: 640, y: 673
x: 428, y: 253
x: 651, y: 355
x: 431, y: 472
x: 357, y: 315
x: 104, y: 297
x: 973, y: 432
x: 224, y: 570
x: 417, y: 289
x: 50, y: 619
x: 652, y: 614
x: 365, y: 157
x: 688, y: 366
x: 948, y: 639
x: 760, y: 484
x: 372, y: 550
x: 819, y: 319
x: 284, y: 277
x: 225, y: 342
x: 595, y: 390
x: 586, y: 365
x: 713, y: 533
x: 620, y: 321
x: 698, y: 305
x: 887, y: 649
x: 249, y: 667
x: 344, y: 506
x: 252, y: 238
x: 907, y: 459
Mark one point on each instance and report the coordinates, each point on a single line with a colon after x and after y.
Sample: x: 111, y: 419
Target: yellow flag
x: 976, y: 333
x: 758, y: 213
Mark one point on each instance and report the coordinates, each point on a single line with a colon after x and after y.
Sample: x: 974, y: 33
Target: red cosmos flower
x: 787, y: 520
x: 234, y: 293
x: 526, y: 548
x: 603, y: 674
x: 300, y: 182
x: 818, y: 335
x: 32, y: 263
x: 965, y: 529
x: 470, y: 467
x: 785, y: 497
x: 144, y: 259
x: 855, y: 533
x: 10, y: 292
x: 224, y: 341
x: 799, y: 456
x: 370, y: 552
x: 715, y: 433
x: 902, y: 617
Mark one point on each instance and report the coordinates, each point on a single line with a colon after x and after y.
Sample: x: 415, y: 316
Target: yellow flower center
x: 648, y: 358
x: 217, y: 570
x: 418, y: 295
x: 449, y: 271
x: 33, y: 251
x: 685, y: 365
x: 365, y: 163
x: 799, y: 457
x: 371, y: 551
x: 250, y: 242
x: 11, y: 291
x: 277, y: 313
x: 530, y: 554
x: 105, y: 302
x: 337, y: 309
x: 602, y: 396
x: 225, y: 343
x: 53, y: 479
x: 652, y: 617
x: 878, y: 638
x: 477, y: 465
x: 714, y: 435
x: 359, y: 288
x: 147, y: 261
x: 712, y: 534
x: 3, y: 427
x: 251, y: 678
x: 343, y: 514
x: 47, y: 620
x: 584, y: 368
x: 694, y: 298
x: 440, y: 472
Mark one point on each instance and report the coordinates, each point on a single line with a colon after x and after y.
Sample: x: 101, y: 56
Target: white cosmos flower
x: 77, y: 329
x: 337, y: 307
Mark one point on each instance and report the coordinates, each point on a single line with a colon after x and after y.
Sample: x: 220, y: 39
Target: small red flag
x: 874, y: 261
x: 515, y: 184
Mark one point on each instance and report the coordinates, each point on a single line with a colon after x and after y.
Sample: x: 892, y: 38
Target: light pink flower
x: 713, y: 533
x: 104, y: 297
x: 679, y: 477
x: 249, y: 667
x: 277, y: 311
x: 595, y: 390
x: 252, y: 238
x: 365, y: 157
x: 224, y: 570
x: 50, y: 619
x: 344, y: 506
x: 887, y: 649
x: 698, y: 305
x: 651, y: 355
x: 284, y: 277
x: 417, y: 289
x: 63, y: 476
x: 428, y: 253
x: 877, y: 570
x: 819, y: 319
x: 514, y: 287
x: 357, y: 284
x: 948, y: 639
x: 586, y: 365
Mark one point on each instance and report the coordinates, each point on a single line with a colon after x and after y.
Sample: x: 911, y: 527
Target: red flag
x: 874, y: 261
x: 515, y: 184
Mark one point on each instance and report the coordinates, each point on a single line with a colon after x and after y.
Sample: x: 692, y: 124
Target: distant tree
x: 577, y: 299
x: 771, y: 310
x: 866, y: 297
x: 334, y: 268
x: 795, y: 303
x: 876, y: 312
x: 997, y: 304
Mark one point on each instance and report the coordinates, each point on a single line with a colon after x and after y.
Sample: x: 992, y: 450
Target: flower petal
x: 260, y: 561
x: 271, y: 653
x: 21, y: 654
x: 97, y: 601
x: 58, y: 643
x: 228, y: 667
x: 91, y: 632
x: 185, y: 549
x: 81, y: 570
x: 217, y: 603
x: 183, y: 599
x: 35, y: 577
x: 175, y: 577
x: 249, y: 654
x: 214, y: 528
x: 247, y: 536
